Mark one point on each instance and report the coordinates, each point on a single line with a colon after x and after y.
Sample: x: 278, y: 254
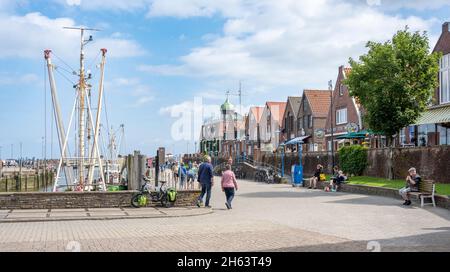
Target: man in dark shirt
x: 412, y: 185
x: 206, y: 179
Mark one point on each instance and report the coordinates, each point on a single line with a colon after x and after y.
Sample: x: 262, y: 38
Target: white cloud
x: 132, y: 87
x: 17, y: 79
x: 73, y: 2
x: 118, y: 5
x: 29, y: 35
x: 287, y: 43
x: 412, y: 4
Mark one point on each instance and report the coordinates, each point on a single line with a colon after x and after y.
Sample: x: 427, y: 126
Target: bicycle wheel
x: 165, y: 201
x: 136, y: 200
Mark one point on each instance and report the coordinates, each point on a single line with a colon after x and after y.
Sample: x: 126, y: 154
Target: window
x: 291, y: 127
x: 444, y: 77
x: 444, y: 135
x: 341, y: 116
x: 423, y: 133
x: 305, y: 105
x: 305, y: 121
x: 402, y: 136
x: 310, y: 121
x: 341, y: 89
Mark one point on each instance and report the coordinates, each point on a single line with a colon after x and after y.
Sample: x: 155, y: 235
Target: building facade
x: 271, y: 125
x: 289, y: 128
x: 253, y: 133
x: 312, y: 116
x: 433, y: 127
x: 345, y: 114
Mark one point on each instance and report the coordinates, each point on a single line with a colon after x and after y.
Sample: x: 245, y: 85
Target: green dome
x: 227, y: 106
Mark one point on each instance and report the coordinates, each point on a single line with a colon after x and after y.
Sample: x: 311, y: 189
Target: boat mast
x: 57, y: 113
x: 95, y: 151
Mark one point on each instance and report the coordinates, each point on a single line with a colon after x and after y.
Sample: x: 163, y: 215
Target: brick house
x: 253, y: 131
x: 289, y: 127
x: 433, y: 127
x: 345, y: 113
x: 270, y: 125
x: 312, y: 116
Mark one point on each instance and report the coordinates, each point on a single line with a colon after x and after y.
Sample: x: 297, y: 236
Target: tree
x: 394, y: 81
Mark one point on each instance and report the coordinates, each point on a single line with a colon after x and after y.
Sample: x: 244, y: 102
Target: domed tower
x: 227, y: 110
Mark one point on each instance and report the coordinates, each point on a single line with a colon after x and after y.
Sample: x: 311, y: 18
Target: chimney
x: 341, y: 69
x: 445, y: 27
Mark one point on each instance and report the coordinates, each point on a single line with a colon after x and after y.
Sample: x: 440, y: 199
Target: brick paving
x: 265, y: 218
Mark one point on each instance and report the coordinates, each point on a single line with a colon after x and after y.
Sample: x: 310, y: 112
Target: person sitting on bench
x: 412, y: 185
x: 337, y: 180
x: 313, y: 181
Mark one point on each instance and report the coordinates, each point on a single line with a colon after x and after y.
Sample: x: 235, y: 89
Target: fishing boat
x: 86, y: 169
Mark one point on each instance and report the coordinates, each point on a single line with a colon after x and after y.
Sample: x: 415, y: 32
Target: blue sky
x: 163, y: 54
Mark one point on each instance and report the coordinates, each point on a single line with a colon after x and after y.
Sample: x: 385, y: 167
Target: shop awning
x: 298, y: 140
x: 355, y: 135
x: 435, y: 116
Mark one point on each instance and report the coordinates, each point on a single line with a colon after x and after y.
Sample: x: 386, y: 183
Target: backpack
x: 323, y: 177
x: 171, y: 195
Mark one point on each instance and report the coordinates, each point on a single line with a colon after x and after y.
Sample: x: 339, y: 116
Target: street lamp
x: 330, y: 87
x: 282, y: 153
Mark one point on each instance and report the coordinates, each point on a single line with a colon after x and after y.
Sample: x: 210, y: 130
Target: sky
x: 169, y: 63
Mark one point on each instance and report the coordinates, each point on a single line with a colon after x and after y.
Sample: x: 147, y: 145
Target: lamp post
x: 282, y: 160
x: 330, y: 87
x: 282, y: 152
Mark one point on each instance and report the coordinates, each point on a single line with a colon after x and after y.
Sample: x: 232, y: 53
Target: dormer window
x: 444, y: 79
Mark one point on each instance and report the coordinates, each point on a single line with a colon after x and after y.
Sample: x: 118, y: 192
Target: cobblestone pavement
x: 8, y: 216
x: 264, y: 218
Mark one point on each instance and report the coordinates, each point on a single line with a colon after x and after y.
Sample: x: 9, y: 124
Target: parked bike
x: 166, y: 196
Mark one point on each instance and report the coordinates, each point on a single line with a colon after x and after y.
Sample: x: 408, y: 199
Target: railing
x: 173, y: 181
x: 258, y: 164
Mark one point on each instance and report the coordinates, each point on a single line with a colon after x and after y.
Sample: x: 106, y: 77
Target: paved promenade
x: 14, y: 216
x: 265, y: 218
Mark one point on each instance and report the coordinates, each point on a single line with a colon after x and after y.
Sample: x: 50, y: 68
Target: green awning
x: 355, y: 135
x: 435, y: 116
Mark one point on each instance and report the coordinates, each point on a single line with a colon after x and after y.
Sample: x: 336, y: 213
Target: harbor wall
x: 77, y: 200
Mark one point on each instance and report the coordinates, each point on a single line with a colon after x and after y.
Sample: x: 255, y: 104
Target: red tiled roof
x: 319, y: 100
x: 277, y: 109
x: 257, y: 112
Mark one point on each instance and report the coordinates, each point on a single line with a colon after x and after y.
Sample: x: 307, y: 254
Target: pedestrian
x: 229, y: 185
x: 182, y: 174
x: 412, y: 185
x: 206, y: 179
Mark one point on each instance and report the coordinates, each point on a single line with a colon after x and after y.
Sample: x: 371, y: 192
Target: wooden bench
x: 427, y: 189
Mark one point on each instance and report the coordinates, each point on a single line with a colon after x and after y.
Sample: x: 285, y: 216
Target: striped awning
x: 435, y: 116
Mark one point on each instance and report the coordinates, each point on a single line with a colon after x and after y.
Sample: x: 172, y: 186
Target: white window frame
x: 444, y: 68
x: 340, y: 114
x: 341, y: 89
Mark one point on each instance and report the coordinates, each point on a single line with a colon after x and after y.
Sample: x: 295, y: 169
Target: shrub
x: 353, y: 159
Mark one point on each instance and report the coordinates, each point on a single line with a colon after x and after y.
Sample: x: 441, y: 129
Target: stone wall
x: 441, y: 201
x: 72, y: 200
x: 431, y: 162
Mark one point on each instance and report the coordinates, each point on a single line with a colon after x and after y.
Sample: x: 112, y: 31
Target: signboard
x: 352, y: 127
x: 320, y: 133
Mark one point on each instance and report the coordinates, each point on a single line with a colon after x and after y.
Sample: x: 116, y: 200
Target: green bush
x: 353, y: 159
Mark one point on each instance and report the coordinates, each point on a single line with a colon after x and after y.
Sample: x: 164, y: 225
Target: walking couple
x: 206, y: 179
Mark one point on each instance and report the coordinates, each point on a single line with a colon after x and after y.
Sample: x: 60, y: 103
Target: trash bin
x: 298, y: 176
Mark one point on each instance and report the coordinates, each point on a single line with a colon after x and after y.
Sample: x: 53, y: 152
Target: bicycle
x: 145, y: 194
